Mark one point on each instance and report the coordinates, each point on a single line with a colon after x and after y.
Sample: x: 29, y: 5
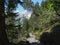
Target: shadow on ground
x: 51, y: 38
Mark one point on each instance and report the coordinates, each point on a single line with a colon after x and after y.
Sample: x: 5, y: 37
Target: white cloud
x: 25, y: 14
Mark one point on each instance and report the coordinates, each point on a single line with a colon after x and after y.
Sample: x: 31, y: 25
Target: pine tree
x: 3, y: 35
x: 11, y: 21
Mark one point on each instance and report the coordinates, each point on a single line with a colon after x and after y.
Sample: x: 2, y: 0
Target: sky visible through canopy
x: 21, y: 9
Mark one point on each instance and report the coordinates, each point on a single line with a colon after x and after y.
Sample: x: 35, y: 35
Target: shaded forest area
x: 44, y: 22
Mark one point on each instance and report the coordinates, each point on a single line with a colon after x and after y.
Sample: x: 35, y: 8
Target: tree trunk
x: 3, y: 35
